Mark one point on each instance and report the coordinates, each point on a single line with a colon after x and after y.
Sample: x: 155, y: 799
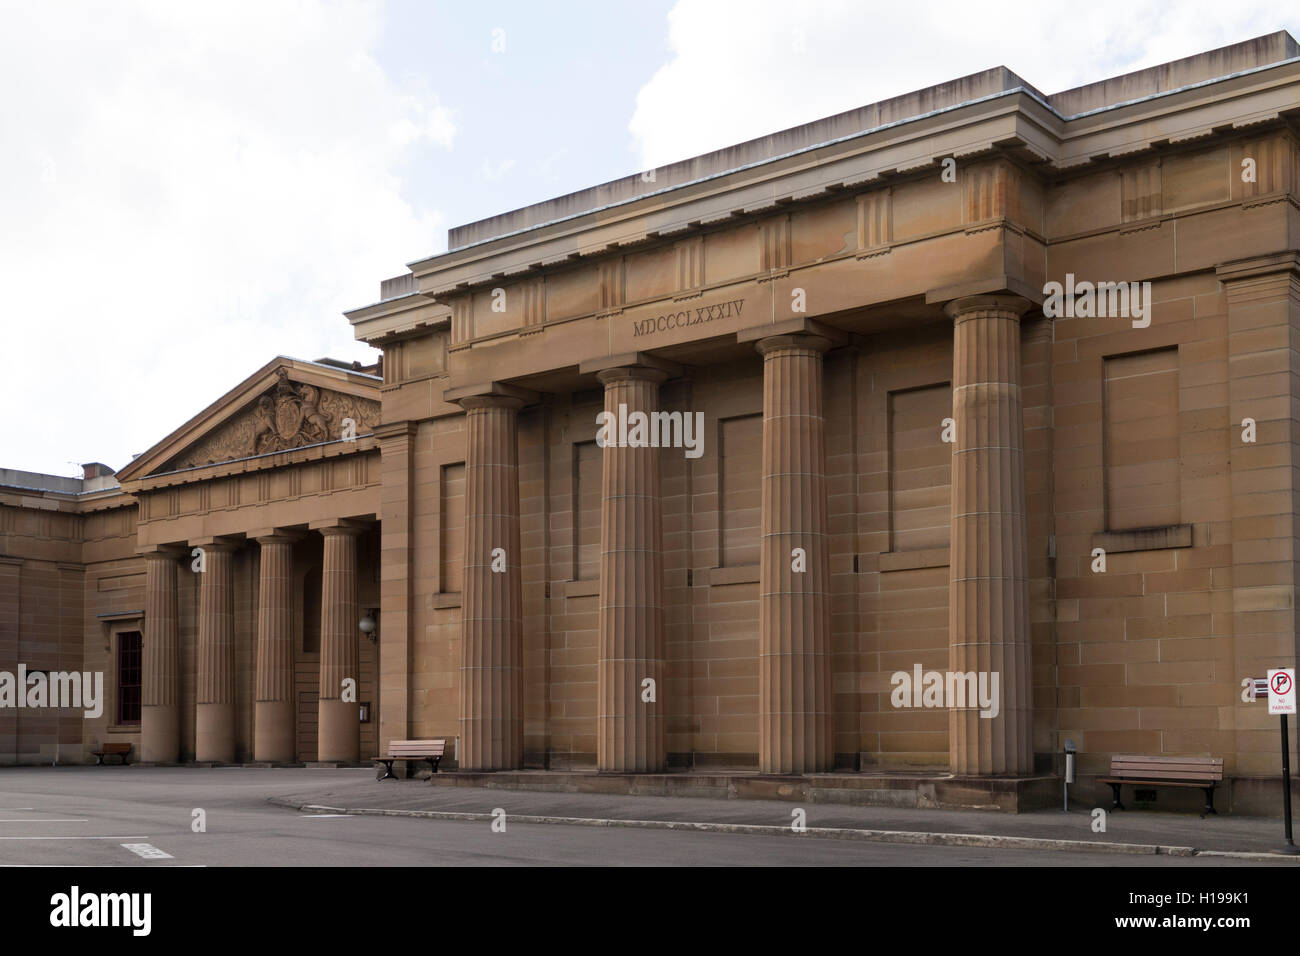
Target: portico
x: 271, y: 587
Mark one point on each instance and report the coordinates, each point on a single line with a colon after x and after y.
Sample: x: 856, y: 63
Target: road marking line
x: 145, y: 837
x: 148, y: 851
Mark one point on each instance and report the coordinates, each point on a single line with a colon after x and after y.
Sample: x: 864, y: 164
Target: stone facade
x: 215, y: 563
x: 909, y: 458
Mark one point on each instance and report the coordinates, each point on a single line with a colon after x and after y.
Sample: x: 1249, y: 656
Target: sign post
x: 1282, y: 701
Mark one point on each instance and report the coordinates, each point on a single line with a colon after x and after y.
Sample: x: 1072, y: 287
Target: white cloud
x: 734, y: 76
x: 188, y: 190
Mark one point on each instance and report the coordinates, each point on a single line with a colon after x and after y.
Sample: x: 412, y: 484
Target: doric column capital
x: 628, y: 366
x: 161, y: 552
x: 631, y: 373
x: 971, y: 305
x: 269, y: 540
x: 217, y: 545
x: 332, y: 526
x: 472, y: 402
x: 490, y: 395
x: 796, y: 333
x: 797, y: 341
x: 330, y: 531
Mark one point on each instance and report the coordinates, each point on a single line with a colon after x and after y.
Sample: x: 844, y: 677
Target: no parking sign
x: 1281, y: 690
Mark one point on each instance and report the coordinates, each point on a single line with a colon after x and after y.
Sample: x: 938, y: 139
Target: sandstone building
x: 909, y: 459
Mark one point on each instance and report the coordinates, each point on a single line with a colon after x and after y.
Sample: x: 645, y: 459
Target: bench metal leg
x: 388, y: 771
x: 1209, y: 802
x: 1114, y: 787
x: 434, y: 761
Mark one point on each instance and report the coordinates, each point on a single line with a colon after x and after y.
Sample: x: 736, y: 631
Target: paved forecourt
x: 98, y: 816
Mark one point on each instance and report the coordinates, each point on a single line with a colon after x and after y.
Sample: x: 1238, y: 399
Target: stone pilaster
x: 273, y: 718
x: 397, y: 441
x: 491, y: 698
x: 160, y: 716
x: 630, y: 731
x: 340, y: 726
x: 794, y: 621
x: 1262, y: 296
x: 214, y: 732
x: 988, y: 611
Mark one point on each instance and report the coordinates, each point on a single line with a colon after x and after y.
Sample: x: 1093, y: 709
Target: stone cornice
x: 1014, y: 123
x: 391, y: 319
x: 391, y: 430
x: 1286, y: 260
x: 280, y: 459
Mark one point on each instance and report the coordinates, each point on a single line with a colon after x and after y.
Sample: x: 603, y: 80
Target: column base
x: 214, y: 733
x: 340, y: 732
x: 160, y: 734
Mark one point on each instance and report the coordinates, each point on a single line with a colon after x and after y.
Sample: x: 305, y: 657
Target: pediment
x: 288, y: 404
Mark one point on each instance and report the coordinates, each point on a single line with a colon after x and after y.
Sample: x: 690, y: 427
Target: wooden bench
x: 111, y: 750
x: 1203, y: 773
x: 430, y: 750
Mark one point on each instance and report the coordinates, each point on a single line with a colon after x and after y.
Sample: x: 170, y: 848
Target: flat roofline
x: 20, y: 480
x: 1263, y: 52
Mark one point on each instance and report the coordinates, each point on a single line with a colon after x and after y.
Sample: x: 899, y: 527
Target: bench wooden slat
x: 1166, y: 759
x: 1202, y: 773
x: 1163, y: 783
x: 1165, y: 768
x: 1168, y: 774
x: 433, y: 748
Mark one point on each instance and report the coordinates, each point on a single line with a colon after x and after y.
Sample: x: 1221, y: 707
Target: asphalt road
x: 97, y: 816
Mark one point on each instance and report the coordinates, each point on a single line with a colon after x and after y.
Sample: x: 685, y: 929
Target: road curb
x: 920, y: 838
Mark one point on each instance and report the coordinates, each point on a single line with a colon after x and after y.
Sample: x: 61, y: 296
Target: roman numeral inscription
x: 695, y: 316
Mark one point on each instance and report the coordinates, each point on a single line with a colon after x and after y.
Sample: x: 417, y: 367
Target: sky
x: 190, y: 189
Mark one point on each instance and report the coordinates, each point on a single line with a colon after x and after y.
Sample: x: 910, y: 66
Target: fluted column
x: 794, y: 604
x: 988, y: 611
x: 340, y: 718
x: 630, y: 731
x: 214, y: 732
x: 160, y: 715
x: 273, y: 717
x: 491, y: 690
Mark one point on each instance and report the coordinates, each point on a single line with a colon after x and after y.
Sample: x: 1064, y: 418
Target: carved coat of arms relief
x: 288, y: 415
